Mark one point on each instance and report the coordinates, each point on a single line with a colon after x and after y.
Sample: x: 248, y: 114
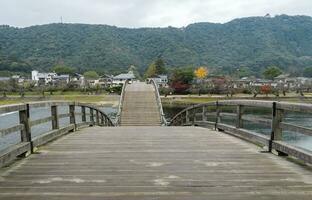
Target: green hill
x: 257, y: 42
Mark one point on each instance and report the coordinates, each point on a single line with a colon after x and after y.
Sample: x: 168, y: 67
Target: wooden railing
x: 211, y: 115
x: 159, y: 104
x: 122, y: 96
x: 24, y: 125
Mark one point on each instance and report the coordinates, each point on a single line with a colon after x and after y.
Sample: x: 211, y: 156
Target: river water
x: 11, y: 119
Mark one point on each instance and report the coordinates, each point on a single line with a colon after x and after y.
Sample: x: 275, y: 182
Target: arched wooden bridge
x: 204, y: 153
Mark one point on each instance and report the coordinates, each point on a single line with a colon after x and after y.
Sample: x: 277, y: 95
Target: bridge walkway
x: 139, y: 106
x: 172, y: 163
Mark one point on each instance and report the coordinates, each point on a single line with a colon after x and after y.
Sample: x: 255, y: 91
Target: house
x: 19, y: 79
x: 61, y: 79
x: 160, y: 80
x: 78, y: 80
x: 122, y: 78
x: 42, y: 78
x: 106, y: 80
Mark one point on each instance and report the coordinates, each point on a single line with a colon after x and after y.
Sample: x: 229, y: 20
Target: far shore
x: 168, y: 101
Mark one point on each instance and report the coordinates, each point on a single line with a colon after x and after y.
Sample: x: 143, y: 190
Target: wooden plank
x: 7, y: 131
x: 291, y: 150
x: 55, y: 119
x: 239, y: 115
x: 295, y: 107
x: 65, y: 115
x: 10, y: 154
x: 259, y: 120
x: 83, y: 112
x: 12, y: 108
x: 50, y: 103
x: 295, y: 128
x: 24, y: 116
x: 205, y: 124
x: 52, y: 135
x: 249, y: 103
x: 40, y: 121
x: 83, y: 124
x: 225, y: 114
x: 245, y: 134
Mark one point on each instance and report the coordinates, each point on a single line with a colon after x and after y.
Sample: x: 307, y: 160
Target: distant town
x: 207, y: 84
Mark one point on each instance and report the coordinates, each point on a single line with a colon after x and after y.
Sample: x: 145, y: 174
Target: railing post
x: 91, y: 117
x: 193, y: 116
x: 204, y: 118
x: 83, y: 112
x: 24, y: 116
x: 97, y: 117
x: 106, y: 121
x: 187, y: 117
x: 102, y: 120
x: 72, y: 119
x: 55, y: 119
x: 218, y: 119
x: 239, y: 114
x: 276, y: 130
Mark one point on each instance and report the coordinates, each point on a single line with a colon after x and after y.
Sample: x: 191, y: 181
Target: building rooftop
x: 125, y: 76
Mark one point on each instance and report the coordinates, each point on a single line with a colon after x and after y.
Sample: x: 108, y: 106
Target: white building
x: 42, y: 78
x: 160, y: 80
x: 122, y: 78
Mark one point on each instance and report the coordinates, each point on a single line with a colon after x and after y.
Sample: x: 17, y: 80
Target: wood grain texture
x: 172, y: 163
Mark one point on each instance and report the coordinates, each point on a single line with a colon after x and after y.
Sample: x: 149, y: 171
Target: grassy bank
x: 102, y: 99
x: 186, y: 100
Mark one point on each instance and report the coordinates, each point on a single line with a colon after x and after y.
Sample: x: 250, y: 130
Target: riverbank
x: 188, y: 100
x: 101, y: 99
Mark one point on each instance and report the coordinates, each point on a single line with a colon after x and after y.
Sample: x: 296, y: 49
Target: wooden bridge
x: 201, y: 155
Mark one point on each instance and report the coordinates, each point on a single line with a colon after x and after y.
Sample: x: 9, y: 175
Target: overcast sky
x: 143, y: 13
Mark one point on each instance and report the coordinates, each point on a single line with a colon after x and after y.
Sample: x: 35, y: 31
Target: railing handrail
x: 121, y: 99
x: 189, y: 116
x: 159, y: 104
x: 28, y: 143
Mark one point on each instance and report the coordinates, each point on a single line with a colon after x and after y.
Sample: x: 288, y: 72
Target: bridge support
x: 24, y: 116
x: 72, y: 119
x: 55, y: 119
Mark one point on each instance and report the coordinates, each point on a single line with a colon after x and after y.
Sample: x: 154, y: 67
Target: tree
x: 156, y: 68
x: 160, y: 66
x: 151, y: 71
x: 135, y: 72
x: 308, y: 72
x: 91, y: 75
x: 63, y: 69
x: 200, y: 74
x: 266, y: 89
x: 181, y: 79
x: 272, y: 72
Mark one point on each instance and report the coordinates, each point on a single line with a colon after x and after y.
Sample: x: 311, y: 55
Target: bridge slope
x: 139, y: 107
x: 130, y: 163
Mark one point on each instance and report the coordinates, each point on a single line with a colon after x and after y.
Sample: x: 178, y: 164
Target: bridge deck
x: 132, y: 163
x: 139, y: 107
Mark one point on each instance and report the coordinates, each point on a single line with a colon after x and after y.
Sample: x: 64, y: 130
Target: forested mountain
x: 254, y: 43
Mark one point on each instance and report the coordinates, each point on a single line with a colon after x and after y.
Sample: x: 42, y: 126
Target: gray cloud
x: 143, y: 13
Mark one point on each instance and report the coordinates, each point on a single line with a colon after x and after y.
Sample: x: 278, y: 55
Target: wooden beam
x: 55, y: 118
x: 83, y: 112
